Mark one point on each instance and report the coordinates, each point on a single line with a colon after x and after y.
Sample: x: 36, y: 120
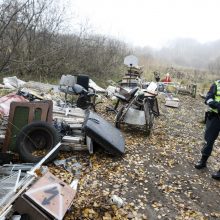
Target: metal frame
x: 143, y: 105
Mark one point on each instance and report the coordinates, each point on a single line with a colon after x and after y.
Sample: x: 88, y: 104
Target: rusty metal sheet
x: 23, y: 206
x: 135, y: 117
x: 22, y: 113
x: 52, y: 195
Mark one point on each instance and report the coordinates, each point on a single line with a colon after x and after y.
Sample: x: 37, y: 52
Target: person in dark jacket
x: 212, y: 126
x: 157, y: 76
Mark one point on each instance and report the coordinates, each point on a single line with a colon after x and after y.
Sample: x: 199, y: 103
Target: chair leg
x: 72, y: 101
x: 65, y: 99
x: 116, y: 105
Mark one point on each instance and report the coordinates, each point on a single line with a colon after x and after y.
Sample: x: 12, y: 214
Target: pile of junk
x: 37, y: 121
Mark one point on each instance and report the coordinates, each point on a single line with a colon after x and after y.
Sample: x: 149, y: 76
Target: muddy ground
x: 156, y: 177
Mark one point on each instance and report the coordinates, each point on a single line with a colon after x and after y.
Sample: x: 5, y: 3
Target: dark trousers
x: 211, y: 133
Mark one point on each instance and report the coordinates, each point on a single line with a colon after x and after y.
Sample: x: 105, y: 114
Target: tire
x: 37, y: 136
x: 118, y: 117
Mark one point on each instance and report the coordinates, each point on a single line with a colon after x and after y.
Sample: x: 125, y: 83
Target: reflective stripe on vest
x: 217, y: 95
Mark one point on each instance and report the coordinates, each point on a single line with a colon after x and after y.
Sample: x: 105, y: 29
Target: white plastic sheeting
x: 96, y: 87
x: 111, y: 90
x: 13, y: 82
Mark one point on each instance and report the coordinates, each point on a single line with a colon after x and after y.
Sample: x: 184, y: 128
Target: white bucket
x: 116, y: 200
x: 152, y: 87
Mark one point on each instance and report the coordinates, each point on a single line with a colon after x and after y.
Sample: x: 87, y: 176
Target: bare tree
x: 32, y: 44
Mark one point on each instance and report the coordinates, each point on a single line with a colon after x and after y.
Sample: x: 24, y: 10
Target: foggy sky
x: 151, y: 22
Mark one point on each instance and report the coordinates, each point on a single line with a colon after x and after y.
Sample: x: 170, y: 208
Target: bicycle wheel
x: 118, y: 118
x: 96, y: 104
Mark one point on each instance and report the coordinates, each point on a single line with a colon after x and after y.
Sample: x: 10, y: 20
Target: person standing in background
x: 167, y: 79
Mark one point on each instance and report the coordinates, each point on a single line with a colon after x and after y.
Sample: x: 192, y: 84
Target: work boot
x: 201, y: 163
x: 216, y: 175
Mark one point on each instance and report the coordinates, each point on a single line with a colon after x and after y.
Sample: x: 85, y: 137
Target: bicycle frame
x: 142, y: 103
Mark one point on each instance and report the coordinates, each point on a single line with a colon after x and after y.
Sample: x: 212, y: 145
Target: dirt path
x: 156, y: 177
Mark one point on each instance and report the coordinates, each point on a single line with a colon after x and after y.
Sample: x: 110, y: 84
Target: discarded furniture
x: 66, y: 84
x: 83, y: 80
x: 140, y: 110
x: 21, y: 114
x: 31, y: 132
x: 78, y: 85
x: 86, y: 99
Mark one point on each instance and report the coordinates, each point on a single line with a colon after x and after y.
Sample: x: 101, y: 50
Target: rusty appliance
x: 48, y: 198
x: 21, y: 114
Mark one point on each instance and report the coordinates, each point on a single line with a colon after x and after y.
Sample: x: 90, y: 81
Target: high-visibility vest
x: 217, y: 95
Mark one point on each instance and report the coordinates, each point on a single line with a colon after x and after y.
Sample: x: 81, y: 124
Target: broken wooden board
x: 172, y: 102
x: 77, y: 112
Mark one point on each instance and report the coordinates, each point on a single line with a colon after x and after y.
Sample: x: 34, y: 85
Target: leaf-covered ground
x: 156, y: 177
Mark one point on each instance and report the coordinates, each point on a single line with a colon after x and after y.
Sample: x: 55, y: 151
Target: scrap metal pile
x: 38, y: 121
